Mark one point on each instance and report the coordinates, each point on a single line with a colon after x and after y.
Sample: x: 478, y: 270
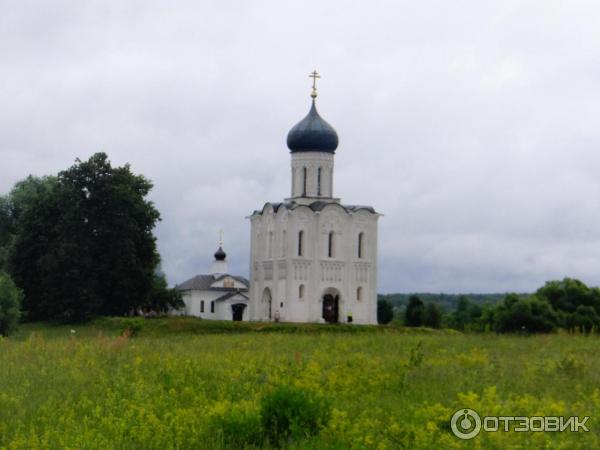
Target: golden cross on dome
x: 220, y: 238
x: 314, y: 75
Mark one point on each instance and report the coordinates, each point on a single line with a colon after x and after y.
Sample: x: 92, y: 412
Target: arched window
x: 319, y: 181
x: 201, y: 306
x: 359, y: 293
x: 304, y: 177
x: 300, y: 242
x: 361, y: 244
x: 283, y: 243
x: 330, y: 245
x: 212, y: 307
x: 301, y: 292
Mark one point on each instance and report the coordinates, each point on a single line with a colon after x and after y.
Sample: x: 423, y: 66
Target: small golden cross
x: 314, y: 75
x: 220, y: 238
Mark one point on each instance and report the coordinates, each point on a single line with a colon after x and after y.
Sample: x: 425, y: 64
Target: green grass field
x: 186, y: 383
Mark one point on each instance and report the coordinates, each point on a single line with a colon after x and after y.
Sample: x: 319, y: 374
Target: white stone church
x: 216, y: 295
x: 313, y: 258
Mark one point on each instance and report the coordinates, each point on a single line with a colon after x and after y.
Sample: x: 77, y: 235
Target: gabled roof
x: 229, y: 295
x: 204, y: 283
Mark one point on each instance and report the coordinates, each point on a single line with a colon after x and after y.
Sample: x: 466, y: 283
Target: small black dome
x: 220, y: 255
x: 312, y: 134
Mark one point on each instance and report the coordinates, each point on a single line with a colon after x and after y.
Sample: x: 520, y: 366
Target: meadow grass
x: 176, y: 382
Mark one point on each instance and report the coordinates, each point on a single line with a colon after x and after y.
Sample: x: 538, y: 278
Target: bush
x: 385, y: 312
x: 291, y: 412
x: 238, y: 428
x: 415, y: 312
x: 132, y: 326
x: 10, y: 302
x: 432, y: 316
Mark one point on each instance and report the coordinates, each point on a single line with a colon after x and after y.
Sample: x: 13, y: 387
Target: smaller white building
x: 217, y: 295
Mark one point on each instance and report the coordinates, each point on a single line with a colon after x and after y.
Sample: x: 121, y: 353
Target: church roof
x: 229, y: 295
x: 312, y: 134
x: 316, y: 206
x: 220, y: 255
x: 204, y: 282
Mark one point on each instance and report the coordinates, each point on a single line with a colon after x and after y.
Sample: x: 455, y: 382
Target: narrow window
x: 361, y: 239
x: 319, y: 182
x: 330, y: 252
x: 359, y: 293
x: 300, y: 243
x: 304, y: 176
x: 212, y: 307
x: 270, y: 245
x: 201, y: 306
x: 301, y: 292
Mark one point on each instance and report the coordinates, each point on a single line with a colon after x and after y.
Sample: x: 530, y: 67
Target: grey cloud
x: 473, y: 126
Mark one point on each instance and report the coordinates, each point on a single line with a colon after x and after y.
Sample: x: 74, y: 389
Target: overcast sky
x: 473, y: 126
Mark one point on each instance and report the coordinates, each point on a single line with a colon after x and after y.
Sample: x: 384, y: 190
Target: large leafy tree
x: 10, y: 298
x: 432, y: 316
x: 531, y: 315
x: 385, y: 311
x: 415, y: 312
x: 85, y: 247
x: 12, y: 206
x: 568, y: 294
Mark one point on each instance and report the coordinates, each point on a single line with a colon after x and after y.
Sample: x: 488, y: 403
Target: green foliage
x: 577, y: 305
x: 415, y: 312
x: 162, y: 298
x: 85, y: 247
x: 532, y: 315
x: 132, y: 326
x: 570, y: 365
x: 447, y: 302
x: 237, y: 427
x: 567, y: 294
x: 385, y: 312
x: 292, y: 412
x: 12, y: 206
x: 10, y: 299
x: 432, y: 316
x: 468, y: 316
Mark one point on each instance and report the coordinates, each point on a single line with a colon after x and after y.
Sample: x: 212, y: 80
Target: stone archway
x: 266, y: 304
x: 331, y: 305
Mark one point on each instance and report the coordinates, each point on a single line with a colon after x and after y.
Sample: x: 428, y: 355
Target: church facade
x: 313, y: 258
x: 217, y: 295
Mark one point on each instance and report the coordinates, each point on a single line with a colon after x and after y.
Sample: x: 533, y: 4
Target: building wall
x: 275, y: 264
x: 312, y: 162
x: 193, y: 300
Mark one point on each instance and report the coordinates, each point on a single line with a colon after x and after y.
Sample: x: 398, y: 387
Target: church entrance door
x: 237, y: 311
x: 266, y: 303
x: 331, y: 307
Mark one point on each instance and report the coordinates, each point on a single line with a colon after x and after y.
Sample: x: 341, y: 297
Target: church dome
x: 220, y: 255
x: 312, y: 134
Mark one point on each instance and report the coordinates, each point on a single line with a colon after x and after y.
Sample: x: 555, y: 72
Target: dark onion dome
x: 220, y: 255
x: 312, y: 134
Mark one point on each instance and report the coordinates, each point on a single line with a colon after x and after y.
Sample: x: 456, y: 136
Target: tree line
x: 80, y: 244
x: 566, y: 304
